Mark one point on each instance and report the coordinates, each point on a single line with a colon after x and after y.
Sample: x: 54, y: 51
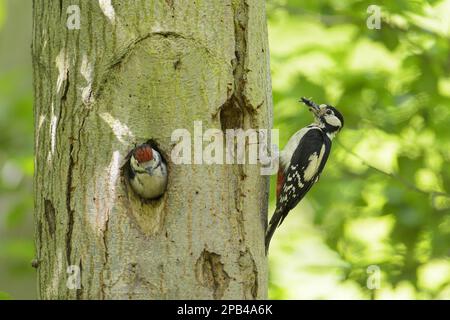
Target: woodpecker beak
x: 314, y: 108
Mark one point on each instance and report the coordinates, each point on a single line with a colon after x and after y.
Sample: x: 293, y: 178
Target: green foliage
x: 2, y: 12
x: 16, y: 156
x: 383, y: 198
x: 4, y: 296
x: 393, y: 87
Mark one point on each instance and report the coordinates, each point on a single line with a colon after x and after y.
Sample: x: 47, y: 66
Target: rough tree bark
x: 137, y: 70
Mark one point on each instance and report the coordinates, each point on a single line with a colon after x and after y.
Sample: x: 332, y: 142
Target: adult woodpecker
x: 147, y: 171
x: 303, y: 159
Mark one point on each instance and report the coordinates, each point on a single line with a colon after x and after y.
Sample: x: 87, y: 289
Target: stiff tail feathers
x: 277, y: 218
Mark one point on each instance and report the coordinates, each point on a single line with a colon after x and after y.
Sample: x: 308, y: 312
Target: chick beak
x: 314, y: 108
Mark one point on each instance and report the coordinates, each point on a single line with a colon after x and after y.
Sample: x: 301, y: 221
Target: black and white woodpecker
x: 303, y: 159
x: 147, y: 171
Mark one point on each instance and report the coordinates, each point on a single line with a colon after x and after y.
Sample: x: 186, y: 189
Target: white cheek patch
x: 312, y: 167
x: 332, y: 120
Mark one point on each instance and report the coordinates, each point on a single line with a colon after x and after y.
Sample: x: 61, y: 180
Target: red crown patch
x: 143, y: 153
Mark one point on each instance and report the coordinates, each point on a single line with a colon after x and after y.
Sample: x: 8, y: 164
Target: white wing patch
x: 314, y: 164
x: 312, y: 167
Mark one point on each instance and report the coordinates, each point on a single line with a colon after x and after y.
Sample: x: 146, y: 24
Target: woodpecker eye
x: 329, y: 112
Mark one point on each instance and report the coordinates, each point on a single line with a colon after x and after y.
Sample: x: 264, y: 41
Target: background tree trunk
x: 137, y: 70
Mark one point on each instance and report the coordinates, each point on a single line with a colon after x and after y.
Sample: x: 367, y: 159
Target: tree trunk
x: 136, y: 70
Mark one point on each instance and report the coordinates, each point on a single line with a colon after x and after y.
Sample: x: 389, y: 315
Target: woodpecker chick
x: 147, y: 171
x: 302, y: 161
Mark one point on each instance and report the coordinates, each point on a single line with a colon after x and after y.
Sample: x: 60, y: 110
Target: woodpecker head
x: 144, y: 158
x: 147, y: 171
x: 328, y: 117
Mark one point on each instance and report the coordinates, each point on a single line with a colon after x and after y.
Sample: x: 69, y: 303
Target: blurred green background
x: 377, y: 225
x: 17, y: 278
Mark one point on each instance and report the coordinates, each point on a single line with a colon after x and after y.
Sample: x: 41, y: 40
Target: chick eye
x: 329, y: 112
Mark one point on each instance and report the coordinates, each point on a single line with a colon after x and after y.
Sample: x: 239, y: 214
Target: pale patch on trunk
x: 41, y: 122
x: 108, y: 10
x: 53, y: 127
x: 38, y: 134
x: 103, y: 190
x: 87, y: 72
x: 121, y: 131
x: 62, y: 64
x: 57, y: 274
x: 113, y: 173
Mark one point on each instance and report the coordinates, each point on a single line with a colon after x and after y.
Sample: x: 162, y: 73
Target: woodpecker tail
x: 277, y: 218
